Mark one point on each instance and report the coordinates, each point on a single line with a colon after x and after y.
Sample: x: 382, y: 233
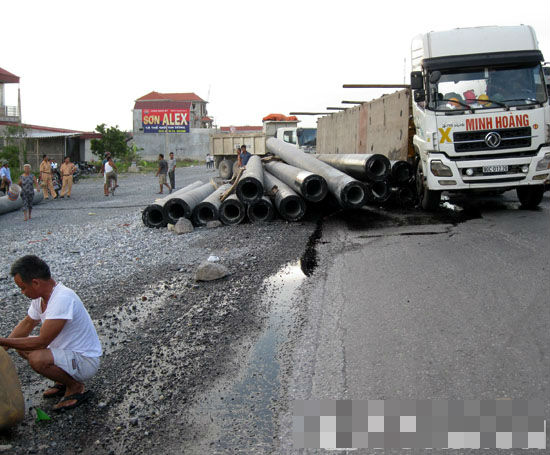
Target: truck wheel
x: 530, y: 196
x: 429, y: 200
x: 226, y: 169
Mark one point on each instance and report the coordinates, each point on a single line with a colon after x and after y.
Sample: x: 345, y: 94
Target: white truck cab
x: 303, y: 138
x: 481, y: 113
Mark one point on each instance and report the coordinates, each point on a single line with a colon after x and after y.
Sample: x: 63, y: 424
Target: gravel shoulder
x: 166, y: 338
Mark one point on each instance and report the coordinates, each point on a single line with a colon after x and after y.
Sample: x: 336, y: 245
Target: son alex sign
x: 165, y: 120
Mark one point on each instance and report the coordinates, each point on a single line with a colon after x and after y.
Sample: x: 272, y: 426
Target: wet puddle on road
x: 242, y: 414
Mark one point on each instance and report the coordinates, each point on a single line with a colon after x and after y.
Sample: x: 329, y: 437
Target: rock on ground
x: 210, y: 271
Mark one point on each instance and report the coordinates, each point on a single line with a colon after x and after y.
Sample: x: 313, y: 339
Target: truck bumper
x: 513, y: 177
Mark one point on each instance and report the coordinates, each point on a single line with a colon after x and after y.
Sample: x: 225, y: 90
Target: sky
x: 83, y: 63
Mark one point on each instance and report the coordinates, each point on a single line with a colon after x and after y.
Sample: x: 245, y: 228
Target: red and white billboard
x: 165, y: 120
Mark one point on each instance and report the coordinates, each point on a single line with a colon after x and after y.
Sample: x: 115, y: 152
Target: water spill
x: 244, y: 412
x: 308, y: 261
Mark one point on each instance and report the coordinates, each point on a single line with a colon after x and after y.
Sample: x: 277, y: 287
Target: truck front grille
x: 474, y: 141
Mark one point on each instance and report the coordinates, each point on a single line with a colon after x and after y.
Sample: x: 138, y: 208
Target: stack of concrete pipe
x: 285, y: 185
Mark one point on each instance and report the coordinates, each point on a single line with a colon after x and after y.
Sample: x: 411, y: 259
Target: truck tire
x: 428, y: 199
x: 226, y: 169
x: 530, y: 196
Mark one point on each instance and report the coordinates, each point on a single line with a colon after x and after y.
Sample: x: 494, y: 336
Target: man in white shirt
x: 67, y: 349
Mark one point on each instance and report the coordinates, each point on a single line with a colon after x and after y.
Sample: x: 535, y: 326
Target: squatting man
x: 67, y: 349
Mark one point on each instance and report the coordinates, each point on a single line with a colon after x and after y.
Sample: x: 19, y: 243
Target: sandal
x: 79, y: 397
x: 57, y: 390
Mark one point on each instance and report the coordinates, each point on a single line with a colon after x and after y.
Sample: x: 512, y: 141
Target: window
x: 488, y: 87
x: 289, y: 136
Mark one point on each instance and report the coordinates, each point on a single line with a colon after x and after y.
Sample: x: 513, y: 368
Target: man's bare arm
x: 50, y: 329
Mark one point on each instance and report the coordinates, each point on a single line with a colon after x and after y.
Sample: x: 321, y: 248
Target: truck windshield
x: 307, y: 137
x: 485, y: 88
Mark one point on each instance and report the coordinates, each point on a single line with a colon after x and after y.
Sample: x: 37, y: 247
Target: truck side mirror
x: 417, y: 81
x: 419, y: 96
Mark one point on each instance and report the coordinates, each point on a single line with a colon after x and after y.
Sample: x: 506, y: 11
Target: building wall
x: 192, y: 145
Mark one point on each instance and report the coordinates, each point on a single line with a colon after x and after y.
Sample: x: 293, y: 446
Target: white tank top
x: 108, y: 167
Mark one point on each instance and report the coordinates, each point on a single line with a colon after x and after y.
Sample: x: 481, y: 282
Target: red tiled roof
x: 156, y: 96
x: 162, y: 105
x: 7, y: 78
x: 206, y: 119
x: 227, y: 129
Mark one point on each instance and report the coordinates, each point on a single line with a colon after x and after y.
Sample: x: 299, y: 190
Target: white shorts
x: 75, y: 365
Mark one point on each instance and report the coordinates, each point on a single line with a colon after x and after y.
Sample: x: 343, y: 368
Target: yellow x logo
x: 445, y: 135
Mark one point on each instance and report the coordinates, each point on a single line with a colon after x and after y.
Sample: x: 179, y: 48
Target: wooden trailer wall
x: 379, y: 126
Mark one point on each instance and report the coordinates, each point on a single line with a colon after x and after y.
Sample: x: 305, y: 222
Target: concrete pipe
x: 379, y: 192
x: 176, y: 207
x: 155, y: 215
x: 349, y: 192
x: 251, y: 185
x: 404, y: 196
x: 225, y: 169
x: 208, y: 210
x: 401, y: 172
x: 372, y: 168
x: 311, y: 187
x: 289, y: 205
x: 7, y: 205
x: 232, y: 210
x: 260, y: 210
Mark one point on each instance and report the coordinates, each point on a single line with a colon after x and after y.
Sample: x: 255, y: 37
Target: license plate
x: 495, y: 169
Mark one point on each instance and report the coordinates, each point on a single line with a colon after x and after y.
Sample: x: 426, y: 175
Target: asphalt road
x: 410, y: 306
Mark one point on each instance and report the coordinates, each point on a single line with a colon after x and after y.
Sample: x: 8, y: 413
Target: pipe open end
x: 353, y: 195
x: 377, y: 167
x: 292, y: 208
x: 231, y: 212
x: 380, y: 191
x: 206, y: 213
x: 176, y: 209
x: 249, y: 190
x: 401, y: 172
x: 153, y: 216
x: 260, y: 211
x: 314, y: 188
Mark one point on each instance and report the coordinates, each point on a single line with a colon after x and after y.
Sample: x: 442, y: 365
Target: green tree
x: 14, y: 149
x: 112, y: 140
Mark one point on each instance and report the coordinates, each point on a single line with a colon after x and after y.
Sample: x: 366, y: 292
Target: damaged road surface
x: 429, y: 307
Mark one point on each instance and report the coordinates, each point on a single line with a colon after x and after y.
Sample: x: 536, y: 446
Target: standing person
x: 110, y: 170
x: 67, y: 170
x: 104, y: 173
x: 28, y: 183
x: 67, y: 349
x: 172, y: 170
x: 5, y: 177
x: 244, y: 156
x: 161, y: 174
x: 46, y: 178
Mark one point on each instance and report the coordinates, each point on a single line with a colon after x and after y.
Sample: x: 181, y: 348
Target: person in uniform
x: 46, y: 178
x: 67, y: 170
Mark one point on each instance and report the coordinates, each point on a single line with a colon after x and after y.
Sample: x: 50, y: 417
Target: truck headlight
x: 440, y: 170
x: 544, y: 164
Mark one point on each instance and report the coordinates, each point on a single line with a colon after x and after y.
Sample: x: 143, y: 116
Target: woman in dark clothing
x: 28, y: 183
